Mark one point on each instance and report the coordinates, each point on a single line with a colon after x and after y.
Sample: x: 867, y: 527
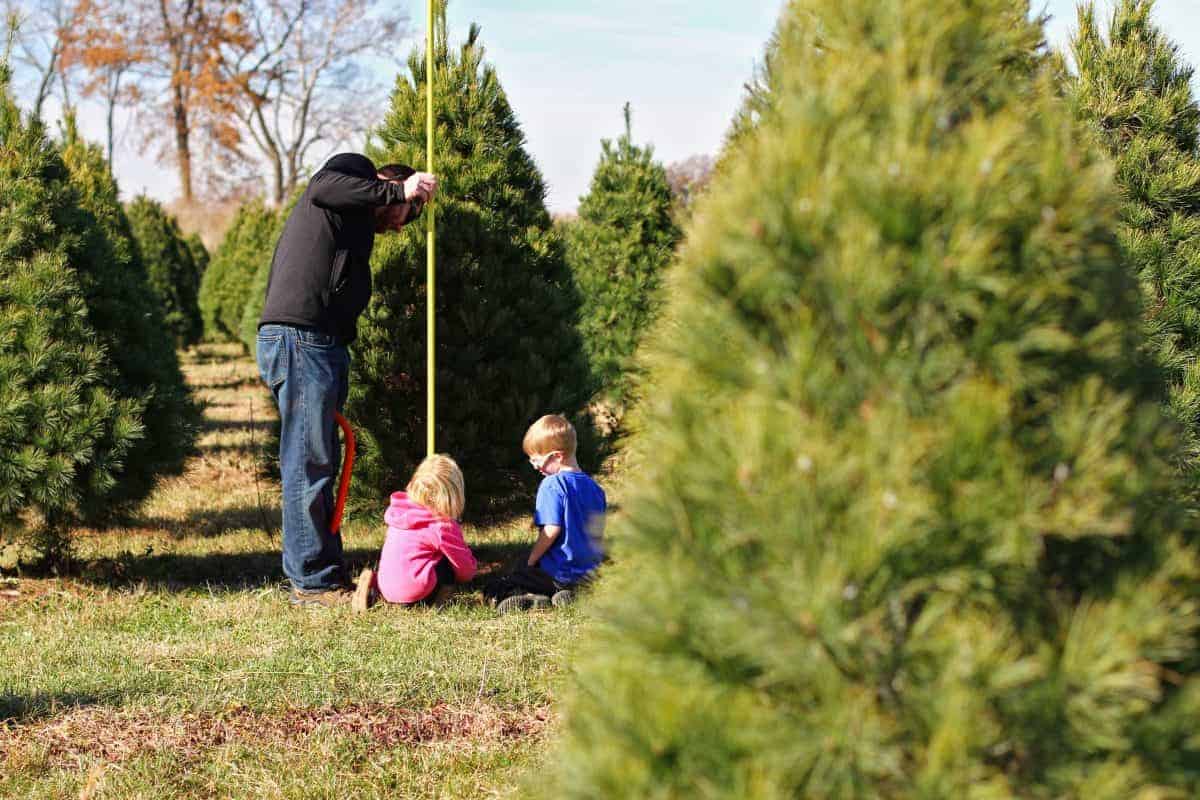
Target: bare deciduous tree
x: 302, y: 79
x: 38, y: 31
x: 689, y: 177
x: 169, y: 51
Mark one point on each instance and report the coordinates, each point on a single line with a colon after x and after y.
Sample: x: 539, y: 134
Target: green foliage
x: 126, y: 312
x: 902, y: 524
x: 226, y: 283
x: 618, y: 250
x: 507, y: 350
x: 1135, y: 92
x: 256, y: 294
x: 65, y: 428
x: 171, y: 264
x: 200, y: 256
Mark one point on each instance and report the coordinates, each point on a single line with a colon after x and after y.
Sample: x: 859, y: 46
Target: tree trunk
x: 182, y: 144
x: 280, y: 189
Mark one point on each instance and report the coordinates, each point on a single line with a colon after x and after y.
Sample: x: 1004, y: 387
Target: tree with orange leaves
x: 164, y: 58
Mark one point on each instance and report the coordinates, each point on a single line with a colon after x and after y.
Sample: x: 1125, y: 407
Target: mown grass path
x: 172, y: 665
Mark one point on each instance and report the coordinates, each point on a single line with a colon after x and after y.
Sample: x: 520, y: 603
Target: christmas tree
x: 226, y: 283
x: 618, y: 250
x: 903, y: 521
x: 507, y: 350
x: 256, y: 292
x: 171, y: 264
x: 65, y: 431
x: 126, y: 312
x: 200, y: 257
x: 1134, y: 91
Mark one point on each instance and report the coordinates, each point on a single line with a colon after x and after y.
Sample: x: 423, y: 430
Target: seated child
x: 424, y: 554
x: 570, y: 512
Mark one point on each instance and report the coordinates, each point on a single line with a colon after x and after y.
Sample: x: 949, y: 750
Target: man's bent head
x: 396, y: 216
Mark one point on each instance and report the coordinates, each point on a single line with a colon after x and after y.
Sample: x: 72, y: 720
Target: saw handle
x: 335, y: 526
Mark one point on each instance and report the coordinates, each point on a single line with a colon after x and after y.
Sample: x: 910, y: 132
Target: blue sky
x: 569, y: 67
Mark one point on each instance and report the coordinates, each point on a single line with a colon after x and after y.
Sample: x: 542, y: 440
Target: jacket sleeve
x: 338, y: 191
x: 456, y: 551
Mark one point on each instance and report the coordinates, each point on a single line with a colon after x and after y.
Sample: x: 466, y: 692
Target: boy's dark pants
x: 526, y: 580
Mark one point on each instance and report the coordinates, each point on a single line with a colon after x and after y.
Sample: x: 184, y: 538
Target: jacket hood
x: 409, y: 515
x: 352, y: 164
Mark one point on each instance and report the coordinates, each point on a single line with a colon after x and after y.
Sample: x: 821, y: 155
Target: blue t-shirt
x: 576, y: 503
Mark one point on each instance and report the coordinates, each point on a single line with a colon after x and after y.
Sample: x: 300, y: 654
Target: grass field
x: 172, y: 665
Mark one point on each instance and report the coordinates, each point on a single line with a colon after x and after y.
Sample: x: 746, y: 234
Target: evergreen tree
x: 65, y: 431
x: 507, y: 350
x: 618, y: 250
x: 902, y: 525
x: 225, y: 285
x: 126, y: 313
x: 200, y: 258
x: 170, y: 262
x: 1135, y: 92
x: 256, y: 293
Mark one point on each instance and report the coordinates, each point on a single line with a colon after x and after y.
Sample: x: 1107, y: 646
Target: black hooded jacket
x: 321, y: 273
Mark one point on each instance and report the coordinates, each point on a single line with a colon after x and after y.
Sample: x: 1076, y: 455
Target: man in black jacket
x: 320, y: 283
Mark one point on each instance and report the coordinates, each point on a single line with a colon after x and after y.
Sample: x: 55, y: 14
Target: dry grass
x: 115, y: 736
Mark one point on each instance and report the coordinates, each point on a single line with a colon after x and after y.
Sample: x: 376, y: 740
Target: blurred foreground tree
x: 904, y: 523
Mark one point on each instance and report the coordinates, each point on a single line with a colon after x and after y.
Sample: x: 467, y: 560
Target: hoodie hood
x: 406, y: 514
x: 352, y: 164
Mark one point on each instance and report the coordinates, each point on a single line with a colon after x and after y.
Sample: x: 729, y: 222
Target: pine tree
x: 226, y: 283
x: 65, y: 432
x: 903, y: 521
x: 126, y: 313
x: 618, y: 250
x: 171, y: 266
x: 507, y: 350
x: 200, y: 258
x: 256, y: 293
x: 1135, y: 92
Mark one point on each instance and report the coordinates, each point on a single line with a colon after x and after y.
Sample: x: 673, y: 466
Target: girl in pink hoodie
x: 424, y: 552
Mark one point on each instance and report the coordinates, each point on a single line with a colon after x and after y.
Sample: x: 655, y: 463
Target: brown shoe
x: 365, y: 593
x: 320, y: 598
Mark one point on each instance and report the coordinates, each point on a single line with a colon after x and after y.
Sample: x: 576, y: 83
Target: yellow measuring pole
x: 430, y: 314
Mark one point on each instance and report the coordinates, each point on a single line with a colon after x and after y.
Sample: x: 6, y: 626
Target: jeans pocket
x: 316, y: 339
x: 272, y: 356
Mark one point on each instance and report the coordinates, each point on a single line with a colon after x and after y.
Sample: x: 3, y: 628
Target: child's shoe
x: 523, y: 602
x: 563, y: 597
x: 365, y: 593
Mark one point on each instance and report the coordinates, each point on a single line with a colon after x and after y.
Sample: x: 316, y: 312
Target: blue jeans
x: 309, y: 374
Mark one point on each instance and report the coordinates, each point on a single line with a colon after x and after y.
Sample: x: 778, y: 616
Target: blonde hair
x: 438, y: 485
x: 551, y: 432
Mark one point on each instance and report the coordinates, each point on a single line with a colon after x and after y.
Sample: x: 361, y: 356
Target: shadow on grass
x: 216, y: 572
x: 208, y: 524
x: 260, y: 427
x: 228, y: 572
x: 39, y: 705
x: 228, y: 383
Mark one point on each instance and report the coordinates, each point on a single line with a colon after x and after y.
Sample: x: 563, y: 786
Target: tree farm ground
x: 171, y: 665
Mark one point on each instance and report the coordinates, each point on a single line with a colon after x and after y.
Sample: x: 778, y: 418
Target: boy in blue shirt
x: 570, y: 516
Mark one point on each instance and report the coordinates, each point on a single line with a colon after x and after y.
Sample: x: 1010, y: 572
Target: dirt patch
x: 114, y: 735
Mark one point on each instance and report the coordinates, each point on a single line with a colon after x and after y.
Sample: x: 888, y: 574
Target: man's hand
x: 420, y: 186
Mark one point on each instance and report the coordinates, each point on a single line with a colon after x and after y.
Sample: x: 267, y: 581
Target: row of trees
x: 914, y: 512
x: 93, y: 402
x: 531, y: 318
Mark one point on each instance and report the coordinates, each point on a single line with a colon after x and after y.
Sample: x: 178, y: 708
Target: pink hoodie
x: 416, y: 540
